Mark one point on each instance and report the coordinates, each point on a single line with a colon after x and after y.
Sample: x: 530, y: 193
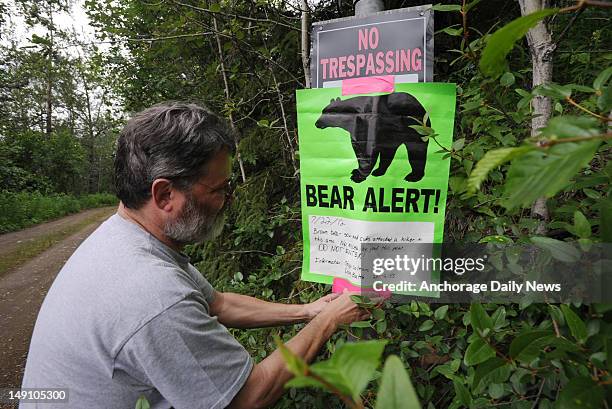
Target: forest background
x: 63, y: 99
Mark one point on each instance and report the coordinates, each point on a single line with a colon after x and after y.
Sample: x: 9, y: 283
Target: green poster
x: 368, y: 175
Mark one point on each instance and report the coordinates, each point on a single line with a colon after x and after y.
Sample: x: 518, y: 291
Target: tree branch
x: 547, y: 143
x: 567, y: 27
x: 232, y: 15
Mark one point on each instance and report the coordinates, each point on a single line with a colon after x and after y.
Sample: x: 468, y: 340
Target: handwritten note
x: 336, y: 242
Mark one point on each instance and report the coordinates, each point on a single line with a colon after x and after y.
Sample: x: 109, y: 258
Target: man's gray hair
x: 172, y: 140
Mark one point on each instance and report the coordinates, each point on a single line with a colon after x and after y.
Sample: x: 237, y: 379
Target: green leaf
x: 507, y: 79
x: 604, y: 102
x: 381, y: 326
x: 542, y: 174
x: 447, y: 7
x: 422, y: 130
x: 360, y: 324
x: 568, y: 126
x: 581, y: 393
x: 396, y: 390
x: 582, y: 88
x: 142, y: 403
x: 477, y: 352
x: 295, y: 364
x: 526, y: 346
x: 426, y: 325
x: 378, y: 314
x: 553, y: 90
x: 558, y: 249
x: 499, y: 317
x: 448, y: 370
x: 582, y: 227
x: 490, y: 161
x: 593, y: 194
x: 556, y: 314
x: 440, y: 313
x: 481, y: 322
x: 215, y: 7
x: 405, y: 309
x: 362, y: 301
x: 352, y: 366
x: 602, y: 78
x: 36, y: 39
x: 455, y: 32
x: 462, y: 393
x: 493, y: 61
x: 576, y: 325
x: 496, y: 390
x: 495, y: 370
x: 471, y: 5
x: 458, y: 144
x: 304, y: 382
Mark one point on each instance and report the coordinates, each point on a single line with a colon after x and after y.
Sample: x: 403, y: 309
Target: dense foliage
x: 242, y: 58
x: 57, y: 122
x: 23, y: 209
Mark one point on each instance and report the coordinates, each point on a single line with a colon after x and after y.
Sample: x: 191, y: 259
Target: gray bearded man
x: 128, y: 315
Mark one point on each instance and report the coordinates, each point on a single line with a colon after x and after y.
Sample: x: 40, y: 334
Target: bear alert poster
x: 368, y: 176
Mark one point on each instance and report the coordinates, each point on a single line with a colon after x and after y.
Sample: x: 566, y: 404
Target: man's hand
x: 313, y: 309
x: 342, y: 310
x: 265, y: 383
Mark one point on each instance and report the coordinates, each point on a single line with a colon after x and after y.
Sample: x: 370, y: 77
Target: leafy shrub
x: 22, y: 209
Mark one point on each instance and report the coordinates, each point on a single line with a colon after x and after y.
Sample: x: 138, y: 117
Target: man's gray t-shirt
x: 129, y: 316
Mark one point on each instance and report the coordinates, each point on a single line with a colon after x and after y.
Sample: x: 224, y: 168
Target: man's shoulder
x: 113, y: 284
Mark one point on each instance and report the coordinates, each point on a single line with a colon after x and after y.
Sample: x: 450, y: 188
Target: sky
x: 77, y: 19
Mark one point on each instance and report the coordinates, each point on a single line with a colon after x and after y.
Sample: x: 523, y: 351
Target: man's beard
x: 195, y: 224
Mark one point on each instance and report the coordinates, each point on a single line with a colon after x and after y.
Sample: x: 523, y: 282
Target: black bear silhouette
x: 379, y: 125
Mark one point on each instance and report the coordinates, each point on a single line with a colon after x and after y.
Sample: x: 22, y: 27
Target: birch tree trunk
x: 365, y: 7
x: 227, y: 96
x: 49, y: 85
x: 541, y: 49
x: 305, y: 42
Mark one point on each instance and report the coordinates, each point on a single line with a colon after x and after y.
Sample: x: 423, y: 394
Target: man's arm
x: 265, y: 383
x: 242, y: 311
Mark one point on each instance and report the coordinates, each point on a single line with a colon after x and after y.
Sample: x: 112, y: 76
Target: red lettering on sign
x: 370, y: 65
x: 350, y: 63
x: 341, y: 66
x: 404, y: 60
x: 373, y: 37
x: 416, y: 59
x: 363, y: 39
x: 361, y: 60
x: 380, y: 63
x: 390, y: 62
x: 324, y: 64
x: 333, y: 68
x: 367, y: 38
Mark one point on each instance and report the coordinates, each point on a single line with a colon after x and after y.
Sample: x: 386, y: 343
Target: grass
x: 23, y: 209
x: 32, y: 248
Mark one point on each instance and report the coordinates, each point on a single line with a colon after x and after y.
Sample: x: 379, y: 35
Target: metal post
x: 366, y: 7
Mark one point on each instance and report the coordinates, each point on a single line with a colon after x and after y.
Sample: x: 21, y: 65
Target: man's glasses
x: 227, y: 189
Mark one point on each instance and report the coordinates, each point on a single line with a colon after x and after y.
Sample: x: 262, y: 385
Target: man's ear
x: 163, y: 194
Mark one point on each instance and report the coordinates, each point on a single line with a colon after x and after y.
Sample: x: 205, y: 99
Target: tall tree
x: 541, y: 48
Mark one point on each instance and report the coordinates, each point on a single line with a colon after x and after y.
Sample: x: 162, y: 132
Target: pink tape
x: 366, y: 85
x: 341, y: 284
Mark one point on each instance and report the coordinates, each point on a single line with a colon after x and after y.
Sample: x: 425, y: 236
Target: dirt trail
x: 23, y: 288
x: 10, y: 241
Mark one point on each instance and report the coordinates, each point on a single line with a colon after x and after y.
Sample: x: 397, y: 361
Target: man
x: 128, y: 315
